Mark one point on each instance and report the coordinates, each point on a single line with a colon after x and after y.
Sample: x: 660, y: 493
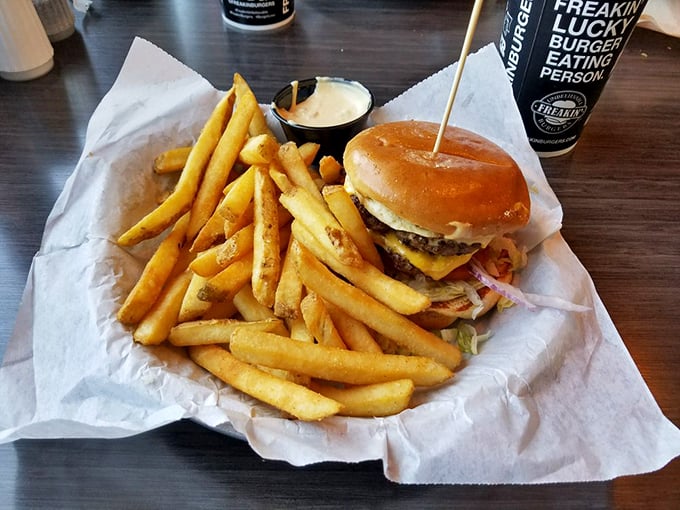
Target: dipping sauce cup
x: 327, y: 111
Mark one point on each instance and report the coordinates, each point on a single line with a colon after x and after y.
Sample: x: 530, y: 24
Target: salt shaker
x: 25, y: 50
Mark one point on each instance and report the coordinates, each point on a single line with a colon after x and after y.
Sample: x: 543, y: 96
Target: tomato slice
x: 484, y: 256
x: 460, y: 273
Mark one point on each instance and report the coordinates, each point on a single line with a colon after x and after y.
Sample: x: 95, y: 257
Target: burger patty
x: 396, y: 264
x: 433, y: 245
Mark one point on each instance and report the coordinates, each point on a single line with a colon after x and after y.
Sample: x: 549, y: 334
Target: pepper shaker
x: 57, y: 18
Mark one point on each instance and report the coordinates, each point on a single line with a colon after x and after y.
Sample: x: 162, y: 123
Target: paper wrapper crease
x: 662, y: 16
x: 551, y: 397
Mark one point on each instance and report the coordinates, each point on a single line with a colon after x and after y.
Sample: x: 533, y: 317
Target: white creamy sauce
x: 461, y: 234
x: 332, y: 103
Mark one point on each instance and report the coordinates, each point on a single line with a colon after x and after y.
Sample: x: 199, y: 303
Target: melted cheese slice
x: 434, y: 266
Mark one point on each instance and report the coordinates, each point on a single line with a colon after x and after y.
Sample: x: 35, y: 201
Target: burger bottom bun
x: 431, y: 319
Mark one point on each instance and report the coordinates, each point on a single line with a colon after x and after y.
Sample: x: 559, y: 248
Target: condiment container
x: 340, y: 109
x: 25, y: 50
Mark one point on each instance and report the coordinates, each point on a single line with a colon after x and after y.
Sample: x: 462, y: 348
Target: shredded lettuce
x: 466, y: 336
x: 504, y: 303
x: 444, y: 290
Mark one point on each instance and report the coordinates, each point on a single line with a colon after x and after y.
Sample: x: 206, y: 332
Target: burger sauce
x: 332, y: 103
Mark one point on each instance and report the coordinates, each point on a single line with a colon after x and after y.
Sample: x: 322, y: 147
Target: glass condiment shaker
x: 57, y: 18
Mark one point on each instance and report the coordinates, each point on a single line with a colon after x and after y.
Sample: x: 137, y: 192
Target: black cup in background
x: 332, y: 139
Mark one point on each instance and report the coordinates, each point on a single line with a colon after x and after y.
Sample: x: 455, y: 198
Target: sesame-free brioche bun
x: 436, y: 216
x: 470, y: 189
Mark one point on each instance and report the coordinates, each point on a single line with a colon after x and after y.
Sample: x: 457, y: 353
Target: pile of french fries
x: 270, y: 280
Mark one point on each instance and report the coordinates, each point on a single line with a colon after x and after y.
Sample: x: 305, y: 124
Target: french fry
x: 266, y: 241
x: 373, y: 313
x: 249, y: 307
x: 390, y: 346
x: 192, y: 308
x: 171, y: 160
x: 259, y: 150
x: 320, y: 222
x: 184, y: 260
x: 330, y: 170
x: 258, y: 124
x: 225, y: 284
x: 232, y: 226
x: 238, y: 196
x: 354, y: 333
x: 223, y: 310
x: 298, y: 330
x: 214, y: 331
x: 280, y: 178
x: 230, y: 212
x: 319, y: 322
x: 302, y: 380
x: 397, y: 295
x: 297, y: 170
x: 333, y: 364
x: 292, y: 398
x: 289, y: 290
x: 156, y: 272
x: 206, y: 263
x: 308, y: 152
x: 221, y: 162
x: 154, y: 328
x: 241, y: 242
x: 252, y: 310
x: 181, y: 199
x: 210, y: 233
x: 237, y: 246
x: 380, y: 399
x: 342, y: 207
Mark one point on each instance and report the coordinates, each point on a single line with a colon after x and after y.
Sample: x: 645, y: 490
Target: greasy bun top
x: 471, y: 189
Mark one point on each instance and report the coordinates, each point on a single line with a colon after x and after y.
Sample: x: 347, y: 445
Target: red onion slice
x: 530, y: 301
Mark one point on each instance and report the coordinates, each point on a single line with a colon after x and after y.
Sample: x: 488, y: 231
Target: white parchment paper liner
x: 662, y: 16
x: 552, y: 397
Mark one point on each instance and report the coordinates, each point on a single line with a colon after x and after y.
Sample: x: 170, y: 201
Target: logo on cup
x: 558, y: 111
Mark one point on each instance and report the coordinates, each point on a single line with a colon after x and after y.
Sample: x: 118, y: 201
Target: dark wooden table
x: 620, y: 190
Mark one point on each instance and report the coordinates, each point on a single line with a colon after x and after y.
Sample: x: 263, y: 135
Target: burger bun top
x: 471, y: 189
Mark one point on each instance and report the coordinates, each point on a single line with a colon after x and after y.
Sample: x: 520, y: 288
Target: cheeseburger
x: 441, y: 220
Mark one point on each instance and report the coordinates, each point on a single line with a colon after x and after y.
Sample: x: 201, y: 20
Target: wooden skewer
x: 472, y: 25
x: 294, y: 92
